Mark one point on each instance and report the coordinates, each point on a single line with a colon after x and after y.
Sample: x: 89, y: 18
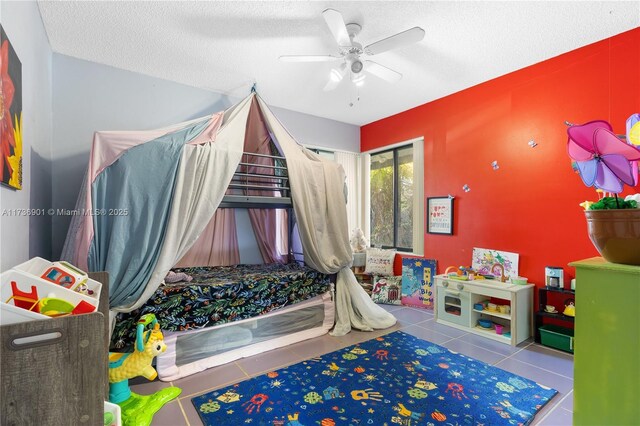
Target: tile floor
x: 539, y: 363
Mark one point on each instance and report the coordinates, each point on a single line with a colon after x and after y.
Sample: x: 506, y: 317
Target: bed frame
x: 189, y: 352
x: 228, y: 342
x: 273, y: 188
x: 274, y: 191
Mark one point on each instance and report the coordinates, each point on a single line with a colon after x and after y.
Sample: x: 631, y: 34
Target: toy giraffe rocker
x: 138, y: 410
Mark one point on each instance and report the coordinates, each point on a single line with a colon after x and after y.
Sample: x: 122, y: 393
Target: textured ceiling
x: 227, y: 46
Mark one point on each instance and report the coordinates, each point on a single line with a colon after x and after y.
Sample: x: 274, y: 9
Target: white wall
x: 23, y: 237
x: 89, y: 97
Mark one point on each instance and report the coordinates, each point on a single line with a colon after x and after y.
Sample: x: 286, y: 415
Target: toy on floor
x: 51, y: 305
x: 68, y: 276
x: 108, y: 419
x: 139, y: 409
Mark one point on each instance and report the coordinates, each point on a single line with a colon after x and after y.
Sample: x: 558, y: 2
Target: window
x: 392, y: 198
x: 323, y: 153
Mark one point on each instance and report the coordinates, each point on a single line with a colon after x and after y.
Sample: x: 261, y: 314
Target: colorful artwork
x: 10, y: 114
x: 395, y: 379
x: 485, y: 261
x: 417, y: 282
x: 440, y: 215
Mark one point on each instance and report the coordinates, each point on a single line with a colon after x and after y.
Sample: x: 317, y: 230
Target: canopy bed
x: 175, y: 185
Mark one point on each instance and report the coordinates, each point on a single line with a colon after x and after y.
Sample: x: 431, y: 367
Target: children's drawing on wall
x: 492, y: 262
x: 417, y: 282
x: 10, y: 114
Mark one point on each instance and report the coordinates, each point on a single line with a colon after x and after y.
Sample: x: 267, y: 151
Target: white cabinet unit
x: 455, y: 300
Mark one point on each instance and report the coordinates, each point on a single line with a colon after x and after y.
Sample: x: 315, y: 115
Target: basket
x: 557, y: 337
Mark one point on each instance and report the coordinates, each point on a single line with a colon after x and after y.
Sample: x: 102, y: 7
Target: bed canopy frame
x: 276, y: 185
x: 208, y: 166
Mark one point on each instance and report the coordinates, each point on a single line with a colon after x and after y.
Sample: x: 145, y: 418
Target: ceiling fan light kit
x: 356, y: 66
x: 350, y: 51
x: 358, y: 79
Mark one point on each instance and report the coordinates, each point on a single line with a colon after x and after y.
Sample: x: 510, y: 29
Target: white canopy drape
x: 317, y: 191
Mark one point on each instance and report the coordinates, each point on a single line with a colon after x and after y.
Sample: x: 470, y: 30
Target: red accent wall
x: 530, y: 204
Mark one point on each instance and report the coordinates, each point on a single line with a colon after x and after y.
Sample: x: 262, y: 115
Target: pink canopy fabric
x: 217, y: 245
x: 265, y: 222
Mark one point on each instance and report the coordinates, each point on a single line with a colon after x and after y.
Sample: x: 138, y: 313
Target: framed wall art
x: 10, y: 114
x: 440, y: 215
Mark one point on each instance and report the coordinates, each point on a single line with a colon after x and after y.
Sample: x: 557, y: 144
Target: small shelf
x: 516, y: 324
x: 364, y: 279
x: 453, y: 304
x: 557, y: 315
x: 494, y: 314
x: 558, y: 290
x: 542, y: 314
x: 491, y: 332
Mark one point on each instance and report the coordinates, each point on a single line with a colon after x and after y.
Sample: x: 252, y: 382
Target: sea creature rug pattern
x: 395, y: 379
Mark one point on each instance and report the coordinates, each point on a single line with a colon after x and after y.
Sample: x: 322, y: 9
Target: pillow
x: 379, y: 262
x: 387, y: 290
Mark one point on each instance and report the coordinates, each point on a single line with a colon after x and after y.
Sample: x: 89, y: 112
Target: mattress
x: 219, y: 295
x: 189, y: 352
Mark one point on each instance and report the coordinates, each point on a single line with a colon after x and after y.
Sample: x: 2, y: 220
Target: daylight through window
x: 392, y: 198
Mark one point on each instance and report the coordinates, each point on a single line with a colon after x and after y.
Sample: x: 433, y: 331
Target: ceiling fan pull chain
x: 357, y: 90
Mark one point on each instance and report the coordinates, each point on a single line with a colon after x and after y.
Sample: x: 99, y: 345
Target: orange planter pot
x: 615, y: 234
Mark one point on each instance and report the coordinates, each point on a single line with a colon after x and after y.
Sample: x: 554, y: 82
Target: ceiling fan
x: 350, y: 52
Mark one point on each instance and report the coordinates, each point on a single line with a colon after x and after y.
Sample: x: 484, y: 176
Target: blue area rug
x: 396, y: 379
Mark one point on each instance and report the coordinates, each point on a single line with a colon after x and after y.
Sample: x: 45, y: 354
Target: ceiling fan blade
x: 402, y: 39
x: 308, y: 58
x: 336, y: 25
x: 331, y: 85
x: 382, y: 72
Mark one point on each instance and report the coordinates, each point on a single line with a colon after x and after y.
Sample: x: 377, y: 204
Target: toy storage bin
x: 26, y: 283
x: 10, y: 314
x: 35, y: 266
x: 557, y: 337
x: 60, y: 379
x: 38, y: 266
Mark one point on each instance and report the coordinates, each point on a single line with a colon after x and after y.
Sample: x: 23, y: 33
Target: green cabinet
x: 607, y: 343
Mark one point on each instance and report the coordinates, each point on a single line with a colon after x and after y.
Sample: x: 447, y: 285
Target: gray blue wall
x: 22, y: 237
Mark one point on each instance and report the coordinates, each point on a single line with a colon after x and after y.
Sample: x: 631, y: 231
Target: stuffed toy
x: 358, y: 241
x: 173, y: 277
